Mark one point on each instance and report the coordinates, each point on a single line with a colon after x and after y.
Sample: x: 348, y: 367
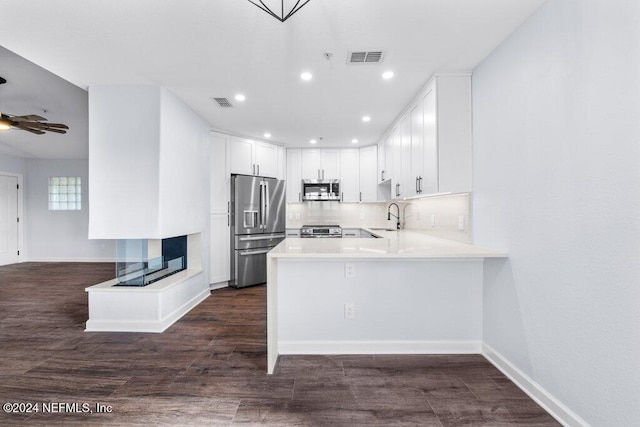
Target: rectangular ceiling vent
x: 223, y: 102
x: 365, y: 56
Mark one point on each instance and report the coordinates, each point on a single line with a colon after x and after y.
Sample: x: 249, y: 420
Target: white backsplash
x: 415, y: 214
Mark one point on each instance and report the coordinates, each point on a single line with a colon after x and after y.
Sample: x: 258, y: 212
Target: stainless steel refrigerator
x: 257, y: 225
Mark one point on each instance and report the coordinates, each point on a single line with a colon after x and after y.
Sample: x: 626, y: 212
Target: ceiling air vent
x: 365, y: 56
x: 223, y: 102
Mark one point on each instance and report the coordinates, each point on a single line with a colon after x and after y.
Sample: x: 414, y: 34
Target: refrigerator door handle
x: 266, y: 237
x: 262, y: 251
x: 265, y: 208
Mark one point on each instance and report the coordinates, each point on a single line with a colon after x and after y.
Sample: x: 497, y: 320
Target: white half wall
x: 59, y: 235
x: 557, y: 186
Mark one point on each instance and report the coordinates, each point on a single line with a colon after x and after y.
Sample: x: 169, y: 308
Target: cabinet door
x: 429, y: 182
x: 219, y: 179
x: 350, y: 176
x: 294, y: 175
x: 220, y: 249
x: 381, y: 162
x: 266, y: 159
x: 417, y: 151
x: 389, y: 147
x: 396, y: 178
x: 311, y: 164
x: 407, y: 187
x: 330, y: 164
x: 368, y: 174
x: 282, y: 163
x: 241, y: 156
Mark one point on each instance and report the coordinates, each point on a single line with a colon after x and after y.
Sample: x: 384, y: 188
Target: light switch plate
x: 433, y: 220
x: 461, y: 222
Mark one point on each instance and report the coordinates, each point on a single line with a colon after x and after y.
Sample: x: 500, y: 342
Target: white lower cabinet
x: 220, y: 248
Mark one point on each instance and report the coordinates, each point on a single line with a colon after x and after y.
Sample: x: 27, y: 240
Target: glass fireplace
x: 141, y: 262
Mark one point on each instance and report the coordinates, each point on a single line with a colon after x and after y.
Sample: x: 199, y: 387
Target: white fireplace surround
x: 151, y: 308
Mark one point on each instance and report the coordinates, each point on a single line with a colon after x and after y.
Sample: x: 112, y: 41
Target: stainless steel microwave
x: 320, y: 189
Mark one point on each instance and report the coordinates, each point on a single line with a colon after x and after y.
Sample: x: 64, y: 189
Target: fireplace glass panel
x: 134, y: 267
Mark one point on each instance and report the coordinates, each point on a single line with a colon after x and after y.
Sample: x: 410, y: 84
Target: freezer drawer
x: 250, y: 267
x: 253, y: 241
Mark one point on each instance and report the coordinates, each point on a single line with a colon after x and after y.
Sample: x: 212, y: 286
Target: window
x: 65, y: 193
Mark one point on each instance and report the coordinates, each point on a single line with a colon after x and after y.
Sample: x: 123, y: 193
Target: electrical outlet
x: 297, y: 216
x: 433, y: 220
x: 349, y: 270
x: 289, y: 215
x: 349, y: 311
x: 461, y: 222
x: 362, y: 217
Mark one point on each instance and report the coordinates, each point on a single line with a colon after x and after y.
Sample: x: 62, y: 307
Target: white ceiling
x: 204, y: 48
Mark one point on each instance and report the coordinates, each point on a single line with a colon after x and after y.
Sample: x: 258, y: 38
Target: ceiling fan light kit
x: 282, y: 16
x: 5, y: 124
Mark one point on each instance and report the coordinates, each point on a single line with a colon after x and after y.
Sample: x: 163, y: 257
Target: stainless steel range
x: 333, y: 231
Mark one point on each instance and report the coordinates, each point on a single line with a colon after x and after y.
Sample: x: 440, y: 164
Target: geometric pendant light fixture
x: 282, y: 14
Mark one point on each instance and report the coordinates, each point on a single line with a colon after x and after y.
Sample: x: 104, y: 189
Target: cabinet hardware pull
x: 258, y: 169
x: 342, y: 197
x: 299, y: 196
x: 361, y: 196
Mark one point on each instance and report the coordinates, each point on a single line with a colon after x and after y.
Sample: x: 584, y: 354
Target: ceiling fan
x: 31, y: 123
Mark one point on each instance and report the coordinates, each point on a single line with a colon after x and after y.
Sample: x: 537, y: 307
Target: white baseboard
x: 155, y: 326
x: 218, y: 285
x: 541, y: 396
x: 70, y: 259
x: 379, y: 347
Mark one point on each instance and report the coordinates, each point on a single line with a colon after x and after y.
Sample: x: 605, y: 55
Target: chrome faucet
x: 389, y: 214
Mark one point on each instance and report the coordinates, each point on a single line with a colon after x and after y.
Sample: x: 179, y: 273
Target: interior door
x: 8, y: 219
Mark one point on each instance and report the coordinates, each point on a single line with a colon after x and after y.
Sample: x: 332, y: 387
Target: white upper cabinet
x: 253, y: 157
x: 294, y: 175
x: 417, y: 149
x: 282, y: 163
x: 368, y: 174
x: 428, y: 179
x: 219, y: 178
x: 350, y: 176
x: 429, y: 149
x: 320, y: 163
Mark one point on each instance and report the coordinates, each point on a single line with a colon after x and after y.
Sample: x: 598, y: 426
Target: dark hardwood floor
x: 209, y: 368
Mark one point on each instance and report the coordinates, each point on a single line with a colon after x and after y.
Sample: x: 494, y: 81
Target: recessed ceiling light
x: 313, y: 141
x: 267, y: 135
x: 354, y: 141
x: 240, y: 97
x: 366, y: 118
x: 387, y: 75
x: 306, y: 76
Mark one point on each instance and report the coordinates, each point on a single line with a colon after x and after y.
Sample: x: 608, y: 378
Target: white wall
x: 12, y: 164
x: 557, y: 185
x: 148, y: 163
x: 184, y: 169
x: 59, y: 235
x: 124, y: 153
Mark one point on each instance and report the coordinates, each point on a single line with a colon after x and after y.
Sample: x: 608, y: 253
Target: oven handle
x: 260, y: 252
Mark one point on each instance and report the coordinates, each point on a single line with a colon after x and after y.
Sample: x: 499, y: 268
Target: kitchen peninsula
x: 406, y: 292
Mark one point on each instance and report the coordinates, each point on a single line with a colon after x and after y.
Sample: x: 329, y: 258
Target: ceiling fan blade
x: 56, y: 130
x: 29, y: 118
x: 36, y: 131
x: 57, y: 125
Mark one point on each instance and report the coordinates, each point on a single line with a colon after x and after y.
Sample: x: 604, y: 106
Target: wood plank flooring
x: 209, y: 368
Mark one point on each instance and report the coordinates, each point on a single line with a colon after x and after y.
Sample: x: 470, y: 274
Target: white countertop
x: 402, y: 244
